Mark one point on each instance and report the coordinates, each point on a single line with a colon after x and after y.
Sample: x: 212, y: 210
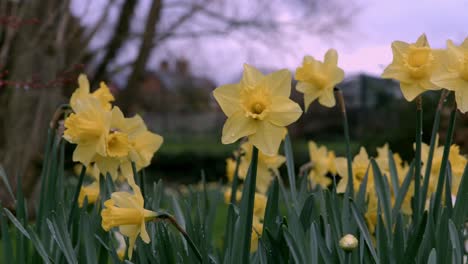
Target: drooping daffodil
x: 126, y: 211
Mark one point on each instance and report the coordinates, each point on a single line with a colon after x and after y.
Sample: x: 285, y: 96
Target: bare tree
x: 249, y: 21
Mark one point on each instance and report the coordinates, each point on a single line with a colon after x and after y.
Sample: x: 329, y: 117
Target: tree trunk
x: 118, y: 38
x: 134, y: 80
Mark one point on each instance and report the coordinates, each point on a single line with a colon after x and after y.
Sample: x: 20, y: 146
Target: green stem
x: 181, y: 230
x: 77, y: 194
x: 248, y: 197
x: 45, y: 169
x: 430, y: 156
x: 445, y: 157
x: 417, y: 158
x: 342, y: 105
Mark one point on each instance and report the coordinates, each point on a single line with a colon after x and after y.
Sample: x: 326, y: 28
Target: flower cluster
x: 322, y: 163
x: 108, y: 143
x: 419, y: 68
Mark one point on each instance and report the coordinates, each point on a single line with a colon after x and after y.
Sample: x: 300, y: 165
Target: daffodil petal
x: 311, y: 93
x: 227, y: 97
x: 123, y: 199
x: 251, y: 76
x: 461, y: 97
x: 237, y: 126
x: 327, y: 98
x: 84, y: 153
x: 279, y: 83
x: 331, y: 58
x: 283, y: 111
x: 411, y: 91
x: 267, y: 138
x: 144, y: 234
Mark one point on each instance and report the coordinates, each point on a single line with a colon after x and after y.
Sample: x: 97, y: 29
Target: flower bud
x: 348, y: 242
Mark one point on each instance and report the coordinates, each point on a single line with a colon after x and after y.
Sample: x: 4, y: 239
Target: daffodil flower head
x: 453, y: 75
x: 88, y: 128
x: 413, y: 66
x: 258, y: 107
x: 317, y: 79
x: 82, y: 93
x: 126, y: 211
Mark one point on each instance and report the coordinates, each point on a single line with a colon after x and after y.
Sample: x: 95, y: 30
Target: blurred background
x: 163, y: 58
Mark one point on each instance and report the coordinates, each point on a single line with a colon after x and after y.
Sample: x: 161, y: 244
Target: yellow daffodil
x: 88, y: 128
x: 126, y: 211
x: 360, y: 165
x: 91, y: 192
x: 317, y: 79
x: 258, y: 107
x: 323, y: 162
x: 82, y: 93
x: 267, y: 166
x: 453, y: 75
x: 413, y: 66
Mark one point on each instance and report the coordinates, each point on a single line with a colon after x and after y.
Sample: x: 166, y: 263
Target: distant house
x: 366, y: 91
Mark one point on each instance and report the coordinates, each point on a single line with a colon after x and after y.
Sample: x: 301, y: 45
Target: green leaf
x: 290, y: 166
x: 415, y: 240
x: 246, y: 209
x: 393, y: 173
x: 364, y: 231
x: 293, y: 247
x: 432, y: 257
x: 444, y: 162
x: 63, y: 240
x: 403, y: 191
x: 460, y: 211
x: 36, y: 241
x: 306, y: 213
x: 384, y: 196
x: 5, y: 180
x: 382, y: 241
x: 399, y: 240
x: 456, y: 242
x: 6, y: 240
x: 272, y: 208
x: 17, y: 223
